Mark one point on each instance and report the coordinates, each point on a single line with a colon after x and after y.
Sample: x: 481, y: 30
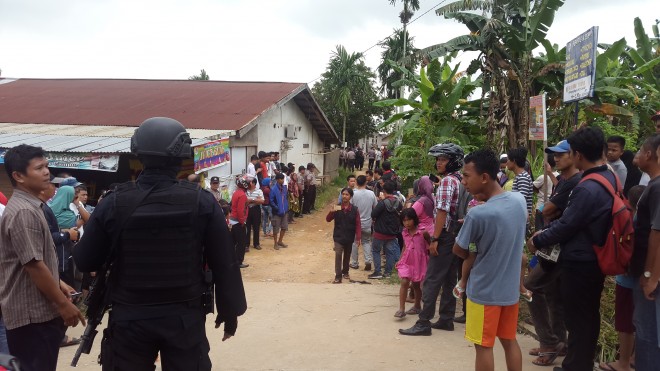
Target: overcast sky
x: 257, y: 40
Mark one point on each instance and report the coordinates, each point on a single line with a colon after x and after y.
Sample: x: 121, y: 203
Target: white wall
x: 271, y: 131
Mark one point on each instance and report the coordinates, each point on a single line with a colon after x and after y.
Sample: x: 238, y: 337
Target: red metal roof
x: 218, y: 105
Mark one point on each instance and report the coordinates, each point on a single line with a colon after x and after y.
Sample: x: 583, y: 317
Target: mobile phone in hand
x: 75, y: 294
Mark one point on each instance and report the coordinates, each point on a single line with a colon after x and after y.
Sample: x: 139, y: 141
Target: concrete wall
x: 271, y: 131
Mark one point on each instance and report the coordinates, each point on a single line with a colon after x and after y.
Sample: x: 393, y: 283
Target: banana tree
x: 505, y: 35
x: 435, y: 113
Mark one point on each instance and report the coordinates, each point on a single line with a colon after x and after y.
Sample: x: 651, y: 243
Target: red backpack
x: 615, y: 254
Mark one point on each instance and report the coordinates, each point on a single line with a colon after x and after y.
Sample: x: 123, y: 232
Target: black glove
x: 231, y: 324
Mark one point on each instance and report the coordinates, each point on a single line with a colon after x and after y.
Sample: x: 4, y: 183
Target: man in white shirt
x: 252, y: 168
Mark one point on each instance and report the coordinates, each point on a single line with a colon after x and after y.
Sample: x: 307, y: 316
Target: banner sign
x: 538, y: 128
x: 78, y: 161
x: 83, y: 161
x: 580, y: 70
x: 211, y: 155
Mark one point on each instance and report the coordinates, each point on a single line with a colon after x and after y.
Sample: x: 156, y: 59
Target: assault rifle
x: 97, y: 304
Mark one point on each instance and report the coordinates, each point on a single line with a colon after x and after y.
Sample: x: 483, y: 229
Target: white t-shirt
x: 544, y: 189
x: 252, y: 172
x: 73, y: 208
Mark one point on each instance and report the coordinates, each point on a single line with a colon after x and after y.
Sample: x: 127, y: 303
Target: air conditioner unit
x: 290, y: 132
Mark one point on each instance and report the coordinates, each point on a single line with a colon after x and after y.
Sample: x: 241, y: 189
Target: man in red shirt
x: 238, y: 217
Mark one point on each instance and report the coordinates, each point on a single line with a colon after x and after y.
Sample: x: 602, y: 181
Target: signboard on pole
x: 538, y: 128
x: 580, y: 70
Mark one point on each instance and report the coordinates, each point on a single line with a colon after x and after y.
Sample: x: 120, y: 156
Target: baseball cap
x: 561, y: 147
x: 215, y: 179
x: 71, y: 181
x: 56, y: 179
x: 656, y: 116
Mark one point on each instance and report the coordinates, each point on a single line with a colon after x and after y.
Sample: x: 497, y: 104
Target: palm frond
x: 465, y: 5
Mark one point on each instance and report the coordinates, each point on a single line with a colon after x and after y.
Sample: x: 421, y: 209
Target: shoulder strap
x: 604, y: 182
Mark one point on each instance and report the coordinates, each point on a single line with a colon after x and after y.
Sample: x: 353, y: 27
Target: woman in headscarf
x: 294, y: 195
x: 66, y: 218
x: 425, y: 205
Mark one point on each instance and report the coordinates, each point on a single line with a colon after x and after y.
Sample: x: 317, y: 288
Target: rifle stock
x: 97, y: 304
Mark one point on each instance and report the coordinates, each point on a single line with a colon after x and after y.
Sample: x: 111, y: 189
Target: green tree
x: 345, y: 80
x: 438, y: 112
x: 505, y: 36
x: 394, y: 50
x: 202, y: 76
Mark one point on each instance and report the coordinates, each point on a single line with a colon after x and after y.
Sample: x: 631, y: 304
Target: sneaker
x: 257, y: 247
x: 280, y: 244
x: 354, y: 266
x: 375, y: 276
x: 244, y: 265
x: 276, y: 247
x: 460, y: 319
x: 387, y: 275
x: 367, y: 267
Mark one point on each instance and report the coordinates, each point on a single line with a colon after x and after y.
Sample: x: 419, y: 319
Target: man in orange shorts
x: 497, y: 227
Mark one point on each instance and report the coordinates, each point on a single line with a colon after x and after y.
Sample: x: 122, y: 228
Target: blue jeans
x: 4, y: 348
x: 266, y: 216
x: 366, y: 247
x: 647, y: 326
x: 392, y: 254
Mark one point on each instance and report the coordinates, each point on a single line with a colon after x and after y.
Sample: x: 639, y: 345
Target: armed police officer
x: 159, y: 236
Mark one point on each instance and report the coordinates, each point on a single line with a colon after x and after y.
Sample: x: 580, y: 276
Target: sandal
x: 545, y: 359
x: 527, y: 295
x: 337, y: 280
x: 347, y: 276
x: 458, y: 291
x: 399, y: 314
x: 414, y: 310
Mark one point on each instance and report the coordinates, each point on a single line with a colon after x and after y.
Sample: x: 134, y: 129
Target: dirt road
x: 298, y: 320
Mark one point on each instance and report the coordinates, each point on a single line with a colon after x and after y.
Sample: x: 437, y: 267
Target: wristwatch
x: 647, y: 274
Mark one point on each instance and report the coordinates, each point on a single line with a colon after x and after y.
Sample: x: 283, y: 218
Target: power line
x: 392, y: 34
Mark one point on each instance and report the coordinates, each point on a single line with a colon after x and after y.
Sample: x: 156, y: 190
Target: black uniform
x: 157, y: 279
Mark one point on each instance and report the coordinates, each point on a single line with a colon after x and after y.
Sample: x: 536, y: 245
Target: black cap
x: 215, y: 179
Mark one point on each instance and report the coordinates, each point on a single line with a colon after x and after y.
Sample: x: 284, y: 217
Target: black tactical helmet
x: 452, y: 151
x: 161, y: 136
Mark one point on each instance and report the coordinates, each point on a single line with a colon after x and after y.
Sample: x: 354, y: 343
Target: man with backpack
x: 441, y: 273
x: 584, y: 224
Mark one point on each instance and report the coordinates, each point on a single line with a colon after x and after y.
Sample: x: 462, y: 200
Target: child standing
x: 266, y: 211
x: 413, y: 262
x: 347, y: 230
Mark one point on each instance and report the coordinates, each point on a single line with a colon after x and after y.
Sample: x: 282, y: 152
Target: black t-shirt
x: 646, y: 219
x: 563, y: 189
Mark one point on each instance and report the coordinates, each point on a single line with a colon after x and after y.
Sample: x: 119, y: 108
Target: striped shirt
x: 24, y: 237
x: 523, y: 183
x: 447, y: 196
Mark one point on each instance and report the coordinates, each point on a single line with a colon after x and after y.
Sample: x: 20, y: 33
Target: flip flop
x: 67, y: 342
x: 545, y: 359
x: 527, y: 295
x: 607, y: 366
x: 413, y: 310
x: 457, y: 291
x: 399, y: 314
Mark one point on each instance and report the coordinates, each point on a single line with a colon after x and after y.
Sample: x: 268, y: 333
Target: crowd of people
x: 467, y: 240
x: 473, y: 231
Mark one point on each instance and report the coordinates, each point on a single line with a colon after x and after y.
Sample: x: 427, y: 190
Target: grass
x: 327, y: 193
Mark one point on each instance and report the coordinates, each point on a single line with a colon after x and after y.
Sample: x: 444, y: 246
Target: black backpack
x: 464, y: 198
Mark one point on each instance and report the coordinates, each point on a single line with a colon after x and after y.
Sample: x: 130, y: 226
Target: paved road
x: 308, y: 326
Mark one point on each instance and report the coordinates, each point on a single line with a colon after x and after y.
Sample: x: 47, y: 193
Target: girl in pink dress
x: 413, y: 262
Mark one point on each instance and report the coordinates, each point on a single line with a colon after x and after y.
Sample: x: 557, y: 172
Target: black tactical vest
x: 160, y: 257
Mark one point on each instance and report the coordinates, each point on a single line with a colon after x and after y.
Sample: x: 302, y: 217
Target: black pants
x: 441, y: 274
x: 546, y: 308
x: 351, y: 165
x: 377, y: 164
x: 180, y: 339
x: 341, y: 261
x: 252, y: 225
x: 581, y: 286
x: 371, y: 163
x: 301, y: 202
x: 239, y: 236
x: 37, y: 345
x: 310, y: 198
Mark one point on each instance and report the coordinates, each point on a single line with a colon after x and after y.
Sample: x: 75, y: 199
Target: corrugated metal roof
x: 83, y: 139
x: 213, y: 105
